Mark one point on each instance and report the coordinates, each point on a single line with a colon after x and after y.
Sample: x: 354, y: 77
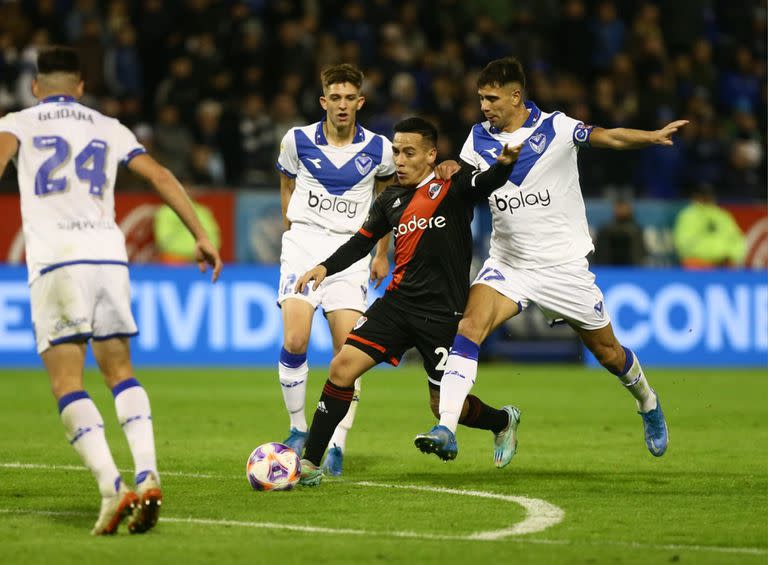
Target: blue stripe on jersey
x: 135, y: 153
x: 334, y: 179
x: 55, y: 266
x: 488, y: 147
x: 285, y: 171
x: 533, y: 148
x: 58, y: 98
x: 320, y: 138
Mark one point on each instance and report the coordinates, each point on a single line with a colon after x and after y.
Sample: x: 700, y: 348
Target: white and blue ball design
x: 273, y: 466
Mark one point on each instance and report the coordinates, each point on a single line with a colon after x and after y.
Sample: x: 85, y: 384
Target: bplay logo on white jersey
x: 336, y: 205
x: 518, y: 200
x: 419, y: 224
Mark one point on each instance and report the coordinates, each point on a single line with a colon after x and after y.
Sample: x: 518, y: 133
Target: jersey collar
x: 532, y: 120
x: 58, y: 98
x: 320, y: 138
x: 426, y: 180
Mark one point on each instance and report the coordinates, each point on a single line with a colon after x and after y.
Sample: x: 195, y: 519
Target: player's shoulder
x: 482, y: 130
x: 368, y: 135
x: 392, y: 193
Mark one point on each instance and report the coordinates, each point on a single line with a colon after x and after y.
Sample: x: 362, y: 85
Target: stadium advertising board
x: 135, y: 215
x: 668, y: 317
x: 689, y: 318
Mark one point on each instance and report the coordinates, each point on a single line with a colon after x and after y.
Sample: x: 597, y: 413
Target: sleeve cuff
x: 285, y: 171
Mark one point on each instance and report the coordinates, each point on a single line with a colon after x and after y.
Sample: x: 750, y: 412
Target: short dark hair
x: 420, y: 126
x: 501, y: 72
x: 339, y: 74
x: 58, y: 60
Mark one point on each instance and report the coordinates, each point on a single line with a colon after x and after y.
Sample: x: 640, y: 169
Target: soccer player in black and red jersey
x: 423, y: 304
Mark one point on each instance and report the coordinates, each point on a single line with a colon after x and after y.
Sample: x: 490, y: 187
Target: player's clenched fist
x: 316, y: 274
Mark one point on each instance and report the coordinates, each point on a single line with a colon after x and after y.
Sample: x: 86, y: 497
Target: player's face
x: 341, y: 101
x: 499, y: 104
x: 414, y: 158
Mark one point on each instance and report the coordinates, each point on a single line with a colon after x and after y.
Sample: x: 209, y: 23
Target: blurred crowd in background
x: 211, y: 86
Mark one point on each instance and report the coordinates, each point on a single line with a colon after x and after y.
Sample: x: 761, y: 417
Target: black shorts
x: 387, y: 330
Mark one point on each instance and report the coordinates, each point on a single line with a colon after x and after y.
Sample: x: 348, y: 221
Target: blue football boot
x: 311, y: 474
x: 296, y: 440
x: 505, y: 442
x: 439, y: 440
x: 656, y: 433
x: 334, y: 461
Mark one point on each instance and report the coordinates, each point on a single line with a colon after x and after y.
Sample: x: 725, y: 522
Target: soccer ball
x: 273, y: 466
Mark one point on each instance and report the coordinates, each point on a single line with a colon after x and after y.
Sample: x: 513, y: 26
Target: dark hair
x: 58, y: 60
x: 339, y: 74
x: 501, y: 72
x: 420, y: 126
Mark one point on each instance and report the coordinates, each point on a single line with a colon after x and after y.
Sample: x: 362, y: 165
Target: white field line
x: 539, y: 516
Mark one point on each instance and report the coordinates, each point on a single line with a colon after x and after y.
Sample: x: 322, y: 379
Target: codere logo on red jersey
x: 337, y: 205
x: 419, y: 224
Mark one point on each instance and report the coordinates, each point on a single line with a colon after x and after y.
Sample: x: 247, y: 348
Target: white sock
x: 339, y: 438
x: 293, y: 371
x: 458, y: 379
x: 634, y: 381
x: 84, y: 428
x: 135, y: 416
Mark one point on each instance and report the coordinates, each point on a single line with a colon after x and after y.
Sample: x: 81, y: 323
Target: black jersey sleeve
x: 359, y: 245
x: 475, y: 184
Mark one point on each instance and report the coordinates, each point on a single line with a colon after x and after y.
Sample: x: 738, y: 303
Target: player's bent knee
x: 296, y: 344
x: 342, y: 372
x: 473, y: 329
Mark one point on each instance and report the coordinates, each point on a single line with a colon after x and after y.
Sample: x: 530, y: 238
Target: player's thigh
x: 381, y: 333
x: 568, y: 292
x: 62, y: 307
x: 349, y: 364
x: 347, y: 289
x: 64, y: 364
x: 433, y: 340
x: 341, y: 323
x: 487, y: 308
x: 113, y: 356
x: 297, y: 324
x: 111, y: 288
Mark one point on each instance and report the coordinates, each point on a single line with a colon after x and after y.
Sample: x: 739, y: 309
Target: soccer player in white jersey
x: 329, y: 172
x: 67, y: 156
x: 538, y: 249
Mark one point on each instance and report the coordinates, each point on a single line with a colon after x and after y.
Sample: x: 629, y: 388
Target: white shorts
x: 564, y: 293
x: 303, y: 248
x: 79, y: 302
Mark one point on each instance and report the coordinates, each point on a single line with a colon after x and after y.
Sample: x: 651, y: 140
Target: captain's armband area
x: 581, y: 134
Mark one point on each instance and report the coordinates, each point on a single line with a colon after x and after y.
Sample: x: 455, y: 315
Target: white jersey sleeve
x: 126, y: 145
x: 288, y: 160
x: 387, y: 166
x: 468, y: 154
x: 575, y: 131
x: 10, y: 124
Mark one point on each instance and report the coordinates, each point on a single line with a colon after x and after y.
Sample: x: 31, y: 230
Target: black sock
x: 333, y: 406
x: 484, y: 417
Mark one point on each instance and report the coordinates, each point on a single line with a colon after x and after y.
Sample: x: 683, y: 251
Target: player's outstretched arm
x: 173, y: 194
x: 8, y: 147
x: 316, y: 274
x: 625, y: 138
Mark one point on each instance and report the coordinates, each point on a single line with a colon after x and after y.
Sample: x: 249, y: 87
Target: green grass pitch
x: 581, y: 450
